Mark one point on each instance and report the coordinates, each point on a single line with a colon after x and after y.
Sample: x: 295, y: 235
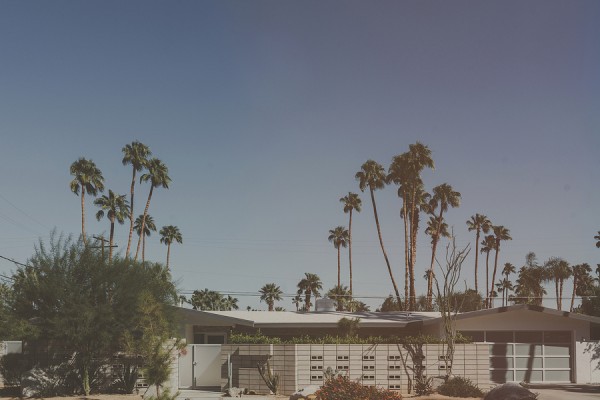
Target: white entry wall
x: 200, y: 366
x: 588, y: 362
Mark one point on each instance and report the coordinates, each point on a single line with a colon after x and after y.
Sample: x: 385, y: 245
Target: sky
x: 264, y: 111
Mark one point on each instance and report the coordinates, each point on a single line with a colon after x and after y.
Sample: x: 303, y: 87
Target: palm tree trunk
x: 130, y: 214
x: 339, y: 266
x: 560, y: 292
x: 110, y: 242
x: 431, y: 274
x: 350, y: 248
x: 383, y: 248
x: 144, y: 222
x: 413, y: 252
x: 406, y: 256
x: 573, y: 295
x: 271, y: 303
x: 83, y: 215
x: 494, y: 274
x: 168, y: 254
x: 487, y: 278
x: 476, y: 259
x: 307, y: 299
x: 143, y: 249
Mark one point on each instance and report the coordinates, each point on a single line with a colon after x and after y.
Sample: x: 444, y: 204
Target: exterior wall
x: 387, y: 366
x: 587, y: 362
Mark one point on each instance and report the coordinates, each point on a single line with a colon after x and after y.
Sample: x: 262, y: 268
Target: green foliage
x: 209, y: 300
x: 12, y: 368
x: 459, y: 387
x: 342, y: 388
x: 391, y: 304
x: 423, y: 385
x: 591, y: 305
x: 348, y: 326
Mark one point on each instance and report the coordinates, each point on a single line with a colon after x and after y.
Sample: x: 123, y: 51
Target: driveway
x: 566, y: 392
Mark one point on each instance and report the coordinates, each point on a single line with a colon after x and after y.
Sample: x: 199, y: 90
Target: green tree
x: 405, y: 171
x: 170, y: 234
x: 209, y: 300
x: 372, y: 176
x: 117, y: 209
x: 87, y: 179
x: 135, y: 154
x: 582, y: 281
x: 149, y: 227
x: 390, y: 304
x: 351, y: 203
x: 310, y: 285
x: 339, y: 237
x: 341, y: 297
x: 436, y: 230
x: 558, y: 270
x: 76, y: 302
x: 529, y: 288
x: 478, y: 223
x: 500, y: 234
x: 270, y: 293
x: 487, y: 245
x: 506, y: 284
x: 158, y: 176
x: 597, y: 237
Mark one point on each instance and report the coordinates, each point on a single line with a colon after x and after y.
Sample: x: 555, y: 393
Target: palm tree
x: 87, y: 178
x: 169, y: 234
x: 117, y: 209
x: 158, y: 176
x: 443, y: 197
x: 504, y: 286
x: 229, y: 304
x: 372, y: 175
x: 558, y: 270
x: 270, y: 293
x: 488, y: 244
x: 137, y: 155
x: 436, y: 230
x: 597, y: 237
x: 529, y: 288
x: 341, y: 296
x: 149, y: 227
x: 581, y: 279
x: 478, y: 223
x: 297, y: 300
x: 500, y: 233
x: 339, y: 237
x: 310, y: 285
x: 406, y: 171
x: 351, y: 203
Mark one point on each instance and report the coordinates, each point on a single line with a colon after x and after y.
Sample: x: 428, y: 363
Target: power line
x: 14, y: 262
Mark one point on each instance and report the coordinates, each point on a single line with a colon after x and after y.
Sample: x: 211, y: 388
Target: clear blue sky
x: 264, y: 111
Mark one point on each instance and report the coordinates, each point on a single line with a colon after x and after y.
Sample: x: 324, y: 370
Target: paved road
x: 567, y: 392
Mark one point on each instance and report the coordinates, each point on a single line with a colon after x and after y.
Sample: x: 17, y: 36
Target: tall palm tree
x: 558, y: 270
x: 117, y: 209
x: 297, y: 300
x: 310, y: 286
x: 478, y: 223
x: 149, y: 227
x: 507, y: 271
x: 158, y: 176
x: 488, y: 244
x: 87, y: 178
x: 530, y: 288
x: 339, y: 237
x: 436, y: 230
x: 372, y: 176
x: 351, y: 203
x: 137, y: 155
x: 500, y: 234
x: 444, y: 196
x: 581, y: 279
x: 170, y: 234
x: 504, y: 286
x: 270, y: 293
x: 406, y: 171
x: 341, y: 296
x: 597, y: 237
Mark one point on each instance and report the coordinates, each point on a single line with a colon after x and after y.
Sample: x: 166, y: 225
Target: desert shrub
x: 342, y: 388
x: 423, y: 385
x: 459, y: 387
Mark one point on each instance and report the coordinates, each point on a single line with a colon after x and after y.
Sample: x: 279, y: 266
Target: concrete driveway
x: 566, y: 392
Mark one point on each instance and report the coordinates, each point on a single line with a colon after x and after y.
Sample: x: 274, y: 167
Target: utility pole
x: 103, y: 240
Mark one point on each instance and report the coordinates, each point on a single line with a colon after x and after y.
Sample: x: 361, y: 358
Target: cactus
x: 271, y: 379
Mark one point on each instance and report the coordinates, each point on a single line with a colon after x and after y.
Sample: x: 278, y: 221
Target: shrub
x: 342, y: 388
x: 12, y: 368
x: 423, y: 385
x: 459, y: 387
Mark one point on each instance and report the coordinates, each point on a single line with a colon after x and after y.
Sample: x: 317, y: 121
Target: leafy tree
x: 270, y: 293
x: 297, y: 300
x: 117, y: 209
x: 500, y: 234
x: 310, y: 286
x: 339, y: 237
x: 405, y: 171
x: 590, y: 305
x: 529, y: 287
x: 149, y: 227
x: 341, y: 296
x: 469, y: 300
x: 158, y: 176
x: 506, y: 284
x: 372, y: 176
x: 348, y: 326
x: 209, y: 300
x: 135, y: 154
x: 558, y: 270
x: 87, y: 179
x: 72, y: 300
x: 582, y: 282
x: 170, y: 234
x: 351, y: 203
x: 478, y: 223
x: 390, y: 304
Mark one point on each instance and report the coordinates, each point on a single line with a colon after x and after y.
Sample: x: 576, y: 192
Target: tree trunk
x: 143, y: 249
x: 430, y: 274
x: 490, y: 304
x: 110, y: 242
x: 350, y: 248
x: 406, y: 256
x: 83, y: 215
x: 476, y: 259
x: 383, y: 248
x: 556, y: 292
x: 168, y: 254
x: 413, y: 250
x: 130, y: 214
x: 573, y: 295
x: 560, y: 291
x: 144, y: 221
x: 487, y: 278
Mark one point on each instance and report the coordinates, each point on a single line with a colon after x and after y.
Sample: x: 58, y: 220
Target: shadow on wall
x: 593, y: 348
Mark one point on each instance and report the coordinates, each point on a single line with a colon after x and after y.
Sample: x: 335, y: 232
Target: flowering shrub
x: 342, y: 388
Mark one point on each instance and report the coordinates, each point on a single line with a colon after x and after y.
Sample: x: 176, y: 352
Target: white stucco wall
x: 587, y: 362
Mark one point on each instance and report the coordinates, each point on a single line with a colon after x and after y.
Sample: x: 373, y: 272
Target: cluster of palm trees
x: 88, y: 179
x: 210, y: 300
